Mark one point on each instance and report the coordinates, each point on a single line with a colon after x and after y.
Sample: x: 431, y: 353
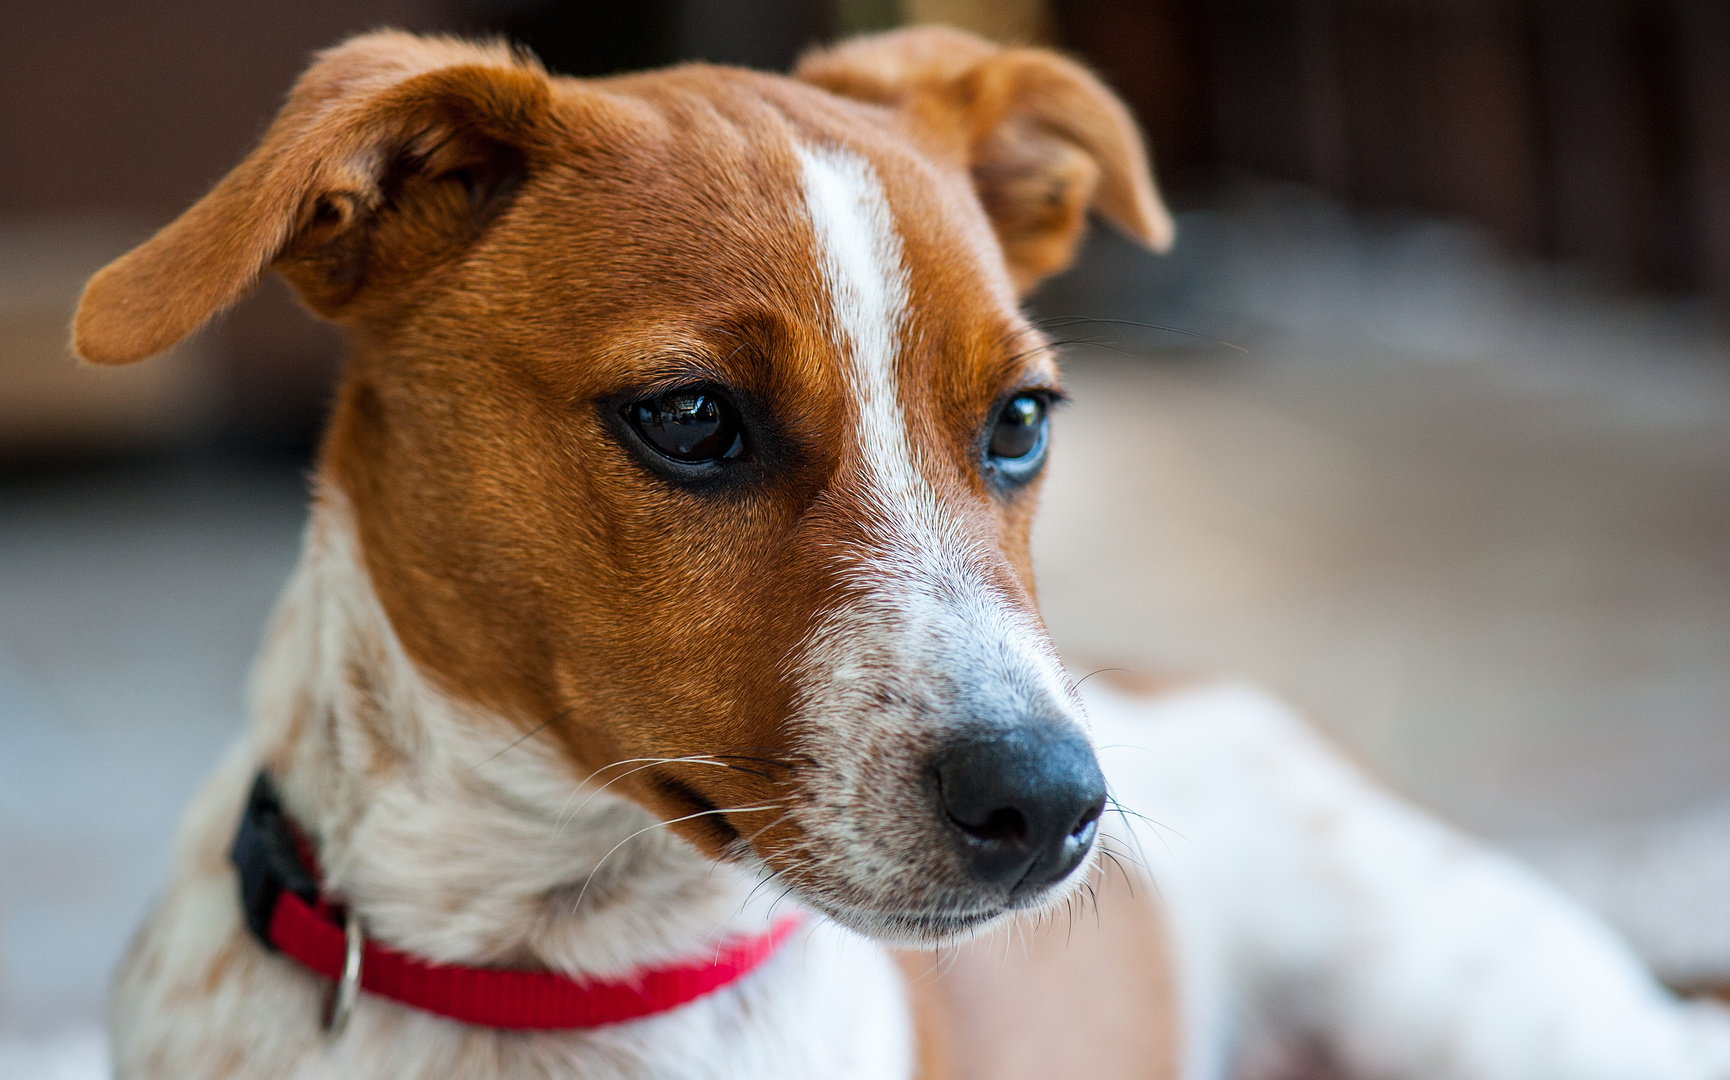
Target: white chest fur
x: 828, y: 1004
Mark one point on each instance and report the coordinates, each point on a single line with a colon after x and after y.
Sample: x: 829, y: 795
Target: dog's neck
x: 452, y: 835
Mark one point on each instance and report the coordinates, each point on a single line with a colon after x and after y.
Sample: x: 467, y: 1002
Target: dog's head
x: 691, y: 419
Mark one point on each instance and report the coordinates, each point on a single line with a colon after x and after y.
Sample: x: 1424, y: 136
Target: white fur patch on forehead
x: 929, y: 643
x: 929, y: 564
x: 860, y: 255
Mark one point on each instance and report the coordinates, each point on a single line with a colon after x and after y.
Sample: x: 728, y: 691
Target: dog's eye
x: 1017, y: 446
x: 1019, y: 427
x: 690, y: 425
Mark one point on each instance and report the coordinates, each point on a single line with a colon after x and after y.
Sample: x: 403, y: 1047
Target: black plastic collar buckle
x: 265, y: 854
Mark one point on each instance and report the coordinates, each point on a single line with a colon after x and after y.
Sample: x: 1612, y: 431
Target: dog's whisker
x: 955, y: 958
x: 1071, y: 320
x: 1050, y: 346
x: 578, y: 903
x: 1127, y: 880
x: 779, y: 763
x: 758, y: 773
x: 778, y: 899
x: 1096, y: 671
x: 750, y: 895
x: 651, y: 761
x: 514, y: 743
x: 561, y: 820
x: 769, y: 753
x: 1123, y: 812
x: 1127, y: 746
x: 1147, y: 871
x: 693, y: 759
x: 1126, y: 812
x: 1123, y: 852
x: 752, y: 839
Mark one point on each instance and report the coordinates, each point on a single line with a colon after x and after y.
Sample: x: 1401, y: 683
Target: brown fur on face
x: 516, y: 255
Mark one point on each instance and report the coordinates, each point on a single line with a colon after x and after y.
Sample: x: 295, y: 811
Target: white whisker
x: 650, y: 828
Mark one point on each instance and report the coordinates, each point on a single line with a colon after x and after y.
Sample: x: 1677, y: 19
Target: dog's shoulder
x: 196, y: 996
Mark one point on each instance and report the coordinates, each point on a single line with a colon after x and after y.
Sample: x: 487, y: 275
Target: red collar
x: 288, y: 913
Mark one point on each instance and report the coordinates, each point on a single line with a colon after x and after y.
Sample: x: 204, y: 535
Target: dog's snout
x: 1024, y: 805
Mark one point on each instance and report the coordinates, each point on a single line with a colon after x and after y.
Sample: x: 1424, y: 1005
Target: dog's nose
x: 1024, y: 804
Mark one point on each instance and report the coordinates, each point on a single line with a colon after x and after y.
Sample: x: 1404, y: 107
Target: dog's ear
x: 389, y: 156
x: 1044, y: 138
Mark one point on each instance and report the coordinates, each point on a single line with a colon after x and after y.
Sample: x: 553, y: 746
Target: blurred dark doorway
x: 603, y: 37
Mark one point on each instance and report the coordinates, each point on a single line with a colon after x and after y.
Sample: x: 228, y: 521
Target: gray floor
x: 130, y: 605
x: 1473, y: 516
x: 1478, y: 517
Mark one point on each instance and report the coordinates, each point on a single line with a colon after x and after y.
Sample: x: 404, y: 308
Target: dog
x: 662, y: 683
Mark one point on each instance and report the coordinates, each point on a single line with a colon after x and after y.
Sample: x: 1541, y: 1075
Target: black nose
x: 1024, y: 804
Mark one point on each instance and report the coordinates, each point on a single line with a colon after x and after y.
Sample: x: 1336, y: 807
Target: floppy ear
x: 1045, y: 139
x: 389, y: 156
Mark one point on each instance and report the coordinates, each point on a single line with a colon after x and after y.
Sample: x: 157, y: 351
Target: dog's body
x: 682, y: 477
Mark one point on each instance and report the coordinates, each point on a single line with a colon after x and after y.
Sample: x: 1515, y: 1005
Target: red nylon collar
x: 522, y: 1000
x: 284, y: 904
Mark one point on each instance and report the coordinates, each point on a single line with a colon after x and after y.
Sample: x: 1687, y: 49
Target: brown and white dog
x: 681, y: 476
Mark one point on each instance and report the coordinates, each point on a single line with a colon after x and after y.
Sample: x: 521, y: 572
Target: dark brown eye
x: 693, y: 425
x: 1018, y: 439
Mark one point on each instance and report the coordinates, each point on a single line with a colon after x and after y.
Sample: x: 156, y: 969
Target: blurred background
x: 1437, y: 445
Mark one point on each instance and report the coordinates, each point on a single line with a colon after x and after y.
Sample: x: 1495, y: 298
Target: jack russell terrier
x: 661, y: 692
